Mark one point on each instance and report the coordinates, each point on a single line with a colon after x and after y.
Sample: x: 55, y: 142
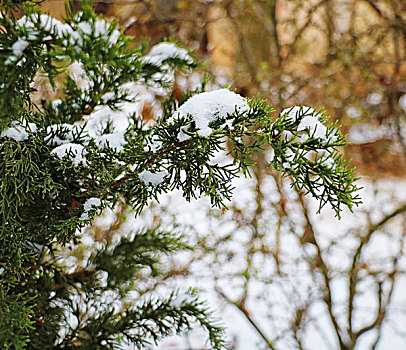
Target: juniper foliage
x: 48, y: 196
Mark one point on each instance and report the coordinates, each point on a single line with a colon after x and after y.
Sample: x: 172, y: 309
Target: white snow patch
x: 157, y: 56
x: 182, y: 297
x: 85, y: 28
x: 79, y: 76
x: 18, y: 131
x: 316, y: 128
x: 402, y: 102
x: 74, y: 151
x: 18, y: 48
x: 104, y: 115
x: 44, y: 22
x: 289, y: 154
x: 303, y: 138
x: 207, y: 107
x: 120, y: 118
x: 115, y: 141
x: 84, y: 216
x: 163, y: 51
x: 353, y: 112
x: 100, y: 29
x: 153, y: 178
x: 108, y: 97
x: 91, y: 203
x: 182, y: 136
x: 35, y: 24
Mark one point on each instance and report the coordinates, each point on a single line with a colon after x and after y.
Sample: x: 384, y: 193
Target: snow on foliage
x: 164, y: 51
x: 104, y: 115
x: 46, y: 186
x: 316, y: 128
x: 99, y: 29
x: 19, y: 131
x: 18, y: 48
x: 208, y: 107
x: 120, y: 119
x: 59, y: 134
x: 309, y: 120
x: 34, y: 23
x: 73, y: 151
x: 290, y: 156
x: 158, y: 56
x: 115, y: 141
x: 328, y: 163
x: 78, y: 75
x: 153, y: 144
x: 153, y: 179
x: 140, y: 96
x: 91, y: 203
x: 295, y: 112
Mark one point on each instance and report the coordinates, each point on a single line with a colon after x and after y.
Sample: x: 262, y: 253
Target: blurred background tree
x: 299, y: 280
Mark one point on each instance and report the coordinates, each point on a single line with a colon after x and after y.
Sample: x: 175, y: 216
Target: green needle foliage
x: 55, y: 177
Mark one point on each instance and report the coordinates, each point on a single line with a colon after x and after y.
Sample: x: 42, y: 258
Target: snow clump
x: 208, y: 107
x: 100, y: 29
x: 316, y: 128
x: 18, y: 48
x: 163, y: 51
x: 78, y: 75
x: 309, y: 120
x: 115, y: 141
x: 18, y: 131
x: 153, y: 179
x: 73, y: 151
x: 91, y: 203
x: 34, y: 22
x: 158, y: 56
x: 289, y: 155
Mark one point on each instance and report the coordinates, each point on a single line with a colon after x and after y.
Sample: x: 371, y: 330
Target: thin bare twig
x: 353, y: 273
x: 247, y: 315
